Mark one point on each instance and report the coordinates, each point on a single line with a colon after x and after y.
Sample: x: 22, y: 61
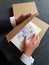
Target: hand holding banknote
x: 30, y: 46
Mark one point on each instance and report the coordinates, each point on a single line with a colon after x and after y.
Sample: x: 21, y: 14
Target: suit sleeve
x: 10, y: 52
x: 5, y: 60
x: 5, y: 25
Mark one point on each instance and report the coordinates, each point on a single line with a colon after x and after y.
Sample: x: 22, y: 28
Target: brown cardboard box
x: 41, y: 24
x: 44, y: 26
x: 24, y: 8
x: 11, y: 34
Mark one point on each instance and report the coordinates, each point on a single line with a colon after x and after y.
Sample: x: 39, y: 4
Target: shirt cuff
x: 27, y: 60
x: 12, y: 21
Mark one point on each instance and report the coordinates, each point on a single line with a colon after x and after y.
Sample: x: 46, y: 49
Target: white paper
x: 29, y: 30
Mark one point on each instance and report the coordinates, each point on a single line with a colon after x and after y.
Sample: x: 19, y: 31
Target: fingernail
x: 37, y: 37
x: 34, y: 35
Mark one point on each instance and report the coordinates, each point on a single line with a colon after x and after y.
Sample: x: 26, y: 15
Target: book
x: 24, y: 8
x: 39, y: 27
x: 29, y: 30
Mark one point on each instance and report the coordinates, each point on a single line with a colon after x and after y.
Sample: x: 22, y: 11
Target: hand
x: 30, y: 46
x: 22, y: 18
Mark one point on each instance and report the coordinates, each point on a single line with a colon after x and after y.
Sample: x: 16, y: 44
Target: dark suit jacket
x: 8, y: 51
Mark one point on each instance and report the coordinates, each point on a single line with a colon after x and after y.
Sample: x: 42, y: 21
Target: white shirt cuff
x: 12, y: 21
x: 27, y: 60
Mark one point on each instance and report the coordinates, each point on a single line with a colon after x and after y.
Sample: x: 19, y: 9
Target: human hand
x: 30, y: 46
x: 22, y: 18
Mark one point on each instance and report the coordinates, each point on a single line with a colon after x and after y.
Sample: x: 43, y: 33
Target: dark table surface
x: 41, y: 55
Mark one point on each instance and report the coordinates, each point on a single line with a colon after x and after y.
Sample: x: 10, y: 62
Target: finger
x: 27, y: 15
x: 26, y: 39
x: 22, y: 15
x: 34, y: 35
x: 33, y: 39
x: 37, y: 41
x: 37, y: 37
x: 37, y: 44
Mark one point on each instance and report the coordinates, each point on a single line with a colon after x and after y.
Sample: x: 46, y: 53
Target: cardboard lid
x: 24, y: 8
